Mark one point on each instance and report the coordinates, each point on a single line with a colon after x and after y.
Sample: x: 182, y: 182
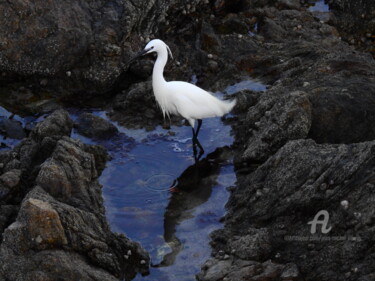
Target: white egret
x: 182, y: 98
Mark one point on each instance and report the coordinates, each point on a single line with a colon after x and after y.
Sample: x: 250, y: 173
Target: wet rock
x: 253, y: 246
x: 290, y: 181
x: 60, y: 230
x: 137, y: 108
x: 290, y: 273
x: 272, y: 121
x: 58, y: 124
x: 12, y: 129
x: 93, y: 126
x: 9, y: 182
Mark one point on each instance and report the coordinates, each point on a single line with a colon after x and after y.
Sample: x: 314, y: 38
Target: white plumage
x: 182, y: 98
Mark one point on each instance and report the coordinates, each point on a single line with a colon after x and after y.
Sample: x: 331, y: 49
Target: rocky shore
x: 304, y: 145
x: 52, y: 218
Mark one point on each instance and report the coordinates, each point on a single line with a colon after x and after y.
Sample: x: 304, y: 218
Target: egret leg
x: 195, y: 144
x: 198, y: 128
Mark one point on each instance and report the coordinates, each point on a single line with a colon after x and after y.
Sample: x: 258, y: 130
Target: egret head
x: 154, y: 46
x: 157, y: 46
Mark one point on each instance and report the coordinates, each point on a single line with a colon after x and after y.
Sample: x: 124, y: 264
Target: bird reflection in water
x: 190, y: 190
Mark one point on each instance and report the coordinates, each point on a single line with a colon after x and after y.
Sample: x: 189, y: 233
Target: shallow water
x: 319, y: 6
x: 173, y: 227
x: 136, y: 188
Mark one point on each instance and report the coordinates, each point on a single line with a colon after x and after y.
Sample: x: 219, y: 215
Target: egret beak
x: 139, y: 54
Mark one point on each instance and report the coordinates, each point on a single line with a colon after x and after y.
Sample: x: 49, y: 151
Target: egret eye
x: 152, y: 47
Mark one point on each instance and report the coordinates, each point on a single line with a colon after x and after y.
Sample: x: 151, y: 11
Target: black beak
x: 139, y: 54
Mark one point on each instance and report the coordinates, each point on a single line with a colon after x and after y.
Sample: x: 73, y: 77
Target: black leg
x: 195, y: 144
x: 199, y: 126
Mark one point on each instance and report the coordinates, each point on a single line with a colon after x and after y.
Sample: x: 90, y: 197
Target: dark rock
x: 60, y: 230
x: 232, y: 23
x: 93, y: 126
x: 281, y: 196
x: 355, y: 21
x: 209, y: 40
x: 37, y: 39
x: 290, y: 273
x: 8, y: 214
x: 12, y: 129
x: 9, y: 183
x: 272, y: 121
x: 58, y: 124
x: 137, y: 108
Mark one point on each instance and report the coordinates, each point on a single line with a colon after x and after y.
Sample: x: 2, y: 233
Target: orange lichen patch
x: 43, y: 224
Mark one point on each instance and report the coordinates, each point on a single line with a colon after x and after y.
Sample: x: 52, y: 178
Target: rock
x: 289, y: 4
x: 67, y: 176
x: 290, y: 181
x: 290, y: 273
x: 137, y: 108
x: 60, y: 230
x: 253, y: 246
x: 43, y: 225
x: 9, y: 182
x: 8, y: 214
x: 105, y: 36
x: 93, y: 126
x: 232, y: 23
x: 355, y: 19
x: 289, y: 117
x: 57, y: 124
x: 209, y: 40
x: 12, y: 129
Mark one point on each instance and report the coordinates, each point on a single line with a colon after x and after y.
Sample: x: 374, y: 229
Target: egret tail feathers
x: 230, y: 105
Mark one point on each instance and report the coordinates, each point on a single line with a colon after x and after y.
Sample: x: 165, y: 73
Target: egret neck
x: 158, y: 82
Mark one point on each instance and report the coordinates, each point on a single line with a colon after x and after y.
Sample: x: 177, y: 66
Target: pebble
x: 126, y: 257
x: 357, y: 215
x: 226, y: 257
x: 143, y: 262
x: 240, y: 36
x: 38, y: 239
x: 210, y: 56
x: 344, y: 204
x: 68, y: 73
x: 129, y: 253
x: 306, y: 84
x: 323, y: 186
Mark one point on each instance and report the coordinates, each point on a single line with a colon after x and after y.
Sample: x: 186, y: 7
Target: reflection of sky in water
x: 7, y: 143
x: 136, y: 185
x: 319, y: 6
